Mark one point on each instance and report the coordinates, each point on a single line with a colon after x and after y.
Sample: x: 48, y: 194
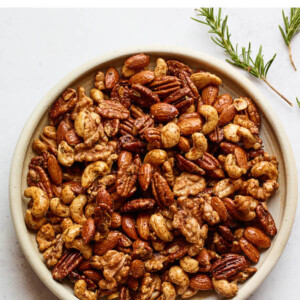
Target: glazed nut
x: 199, y: 146
x: 159, y: 226
x: 76, y: 209
x: 92, y: 171
x: 225, y: 288
x: 161, y: 68
x: 163, y: 112
x: 240, y: 104
x: 189, y: 265
x: 201, y: 282
x: 65, y: 154
x: 170, y: 135
x: 156, y: 157
x: 211, y: 116
x: 257, y: 237
x: 59, y: 208
x: 137, y: 269
x: 138, y: 61
x: 81, y: 291
x: 180, y: 278
x: 40, y: 200
x: 188, y: 126
x: 203, y: 79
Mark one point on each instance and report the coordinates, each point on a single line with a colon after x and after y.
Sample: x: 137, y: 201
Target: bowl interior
x: 277, y: 204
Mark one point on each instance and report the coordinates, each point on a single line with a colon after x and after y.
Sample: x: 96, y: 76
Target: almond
x: 109, y: 243
x: 184, y: 144
x: 250, y: 251
x: 138, y: 61
x: 142, y: 223
x: 88, y: 230
x: 145, y: 176
x: 209, y: 94
x: 257, y: 237
x: 116, y: 220
x: 189, y: 126
x: 222, y: 102
x: 163, y: 112
x: 218, y: 205
x: 227, y: 115
x: 142, y: 77
x: 111, y: 78
x: 128, y: 226
x: 93, y: 275
x: 201, y: 282
x: 54, y: 170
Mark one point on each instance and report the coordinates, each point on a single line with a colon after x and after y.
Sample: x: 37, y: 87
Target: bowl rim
x: 223, y: 67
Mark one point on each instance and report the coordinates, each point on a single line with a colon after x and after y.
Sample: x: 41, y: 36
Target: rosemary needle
x: 292, y: 27
x: 255, y: 66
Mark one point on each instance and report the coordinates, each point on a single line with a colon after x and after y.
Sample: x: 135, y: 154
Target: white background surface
x: 40, y: 46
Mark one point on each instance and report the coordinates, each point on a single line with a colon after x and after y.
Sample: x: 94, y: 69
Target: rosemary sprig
x: 292, y: 27
x: 257, y: 67
x: 298, y: 102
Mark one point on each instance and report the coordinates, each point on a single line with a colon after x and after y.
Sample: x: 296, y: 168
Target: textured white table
x: 40, y: 46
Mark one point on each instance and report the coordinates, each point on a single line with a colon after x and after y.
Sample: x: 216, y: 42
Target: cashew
x: 202, y: 79
x: 71, y: 233
x: 180, y: 278
x: 265, y: 168
x: 78, y: 244
x: 189, y: 265
x: 168, y: 291
x: 250, y: 140
x: 159, y: 226
x: 231, y: 133
x: 156, y: 157
x: 170, y: 135
x: 231, y: 167
x: 81, y: 291
x: 189, y: 293
x: 89, y: 210
x: 226, y: 187
x: 199, y: 146
x: 40, y: 201
x: 76, y: 209
x: 65, y: 154
x: 67, y: 195
x: 33, y: 222
x: 211, y: 115
x: 79, y: 122
x: 66, y: 223
x: 97, y: 95
x: 240, y: 104
x: 58, y: 208
x: 161, y: 68
x: 92, y: 171
x: 45, y: 236
x: 225, y: 288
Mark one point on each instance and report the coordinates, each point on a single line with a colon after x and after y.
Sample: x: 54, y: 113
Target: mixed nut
x: 153, y: 186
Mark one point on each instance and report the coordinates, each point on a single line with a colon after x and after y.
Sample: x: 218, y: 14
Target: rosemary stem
x: 291, y: 58
x: 283, y: 97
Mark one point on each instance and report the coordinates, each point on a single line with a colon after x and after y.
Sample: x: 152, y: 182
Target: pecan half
x: 69, y: 262
x: 161, y: 191
x: 138, y: 205
x: 228, y: 265
x: 112, y: 110
x: 266, y: 220
x: 143, y: 95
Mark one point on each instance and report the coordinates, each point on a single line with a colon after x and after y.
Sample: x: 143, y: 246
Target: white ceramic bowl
x: 282, y: 205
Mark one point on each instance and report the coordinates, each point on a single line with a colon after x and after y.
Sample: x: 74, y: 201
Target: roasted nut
x: 180, y: 278
x: 58, y: 208
x: 170, y: 135
x: 189, y: 265
x: 138, y: 205
x: 250, y: 251
x: 159, y: 226
x: 257, y: 237
x: 40, y: 200
x: 163, y: 112
x: 188, y: 126
x: 201, y: 282
x: 225, y: 288
x: 92, y: 171
x: 156, y: 157
x: 81, y: 291
x: 142, y: 77
x: 211, y: 116
x: 203, y: 79
x: 128, y: 226
x: 199, y: 146
x: 111, y: 78
x: 145, y: 175
x: 45, y: 237
x: 137, y: 269
x: 138, y: 61
x: 161, y: 67
x: 76, y: 209
x: 65, y: 154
